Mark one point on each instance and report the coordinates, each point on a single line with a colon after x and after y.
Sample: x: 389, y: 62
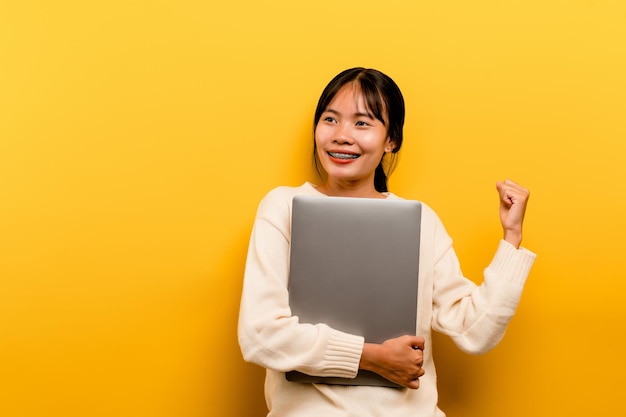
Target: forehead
x: 349, y: 96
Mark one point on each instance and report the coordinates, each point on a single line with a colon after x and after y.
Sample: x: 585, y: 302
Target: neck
x: 347, y: 189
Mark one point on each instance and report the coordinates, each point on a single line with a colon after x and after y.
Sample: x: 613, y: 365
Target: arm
x: 268, y: 334
x: 476, y: 316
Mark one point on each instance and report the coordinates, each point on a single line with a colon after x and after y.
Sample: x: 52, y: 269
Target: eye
x: 362, y: 123
x: 329, y: 119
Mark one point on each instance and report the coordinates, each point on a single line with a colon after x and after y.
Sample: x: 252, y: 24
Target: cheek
x: 373, y: 142
x: 322, y: 133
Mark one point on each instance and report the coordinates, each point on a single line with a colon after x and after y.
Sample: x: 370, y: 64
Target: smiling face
x: 350, y: 143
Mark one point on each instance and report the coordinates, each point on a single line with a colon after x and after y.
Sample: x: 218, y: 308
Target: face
x: 350, y: 142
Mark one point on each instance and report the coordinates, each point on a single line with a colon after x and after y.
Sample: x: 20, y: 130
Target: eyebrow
x: 358, y: 114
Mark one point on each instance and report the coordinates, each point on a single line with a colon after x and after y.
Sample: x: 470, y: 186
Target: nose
x: 342, y: 141
x: 343, y: 135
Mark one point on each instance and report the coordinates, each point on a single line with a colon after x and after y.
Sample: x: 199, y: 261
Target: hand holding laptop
x: 399, y: 360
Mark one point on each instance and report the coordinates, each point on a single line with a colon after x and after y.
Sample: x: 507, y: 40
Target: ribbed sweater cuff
x: 511, y: 263
x: 343, y: 354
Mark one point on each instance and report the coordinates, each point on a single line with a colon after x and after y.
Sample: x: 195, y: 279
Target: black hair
x: 382, y: 98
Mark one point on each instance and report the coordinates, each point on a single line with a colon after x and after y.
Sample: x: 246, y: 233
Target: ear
x: 390, y: 145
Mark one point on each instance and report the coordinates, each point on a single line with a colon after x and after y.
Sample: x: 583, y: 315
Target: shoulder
x: 429, y: 216
x: 283, y: 195
x: 276, y: 204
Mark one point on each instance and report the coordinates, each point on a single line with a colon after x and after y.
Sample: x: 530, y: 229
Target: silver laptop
x: 354, y: 265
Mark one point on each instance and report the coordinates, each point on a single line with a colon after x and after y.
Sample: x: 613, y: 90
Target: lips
x: 341, y: 155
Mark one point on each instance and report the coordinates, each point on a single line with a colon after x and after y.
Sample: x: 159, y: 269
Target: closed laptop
x: 354, y: 266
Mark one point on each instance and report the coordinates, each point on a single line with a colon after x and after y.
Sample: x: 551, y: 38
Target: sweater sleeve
x: 476, y: 316
x: 268, y: 334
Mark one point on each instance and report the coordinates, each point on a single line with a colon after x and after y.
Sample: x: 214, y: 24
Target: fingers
x: 416, y: 342
x: 414, y: 370
x: 513, y: 198
x: 511, y: 192
x: 413, y: 382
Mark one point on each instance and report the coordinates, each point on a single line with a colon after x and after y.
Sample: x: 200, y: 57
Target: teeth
x: 343, y: 155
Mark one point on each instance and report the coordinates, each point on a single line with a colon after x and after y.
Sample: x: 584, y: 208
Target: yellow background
x: 137, y: 138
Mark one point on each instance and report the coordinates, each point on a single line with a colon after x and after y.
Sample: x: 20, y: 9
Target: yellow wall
x: 137, y: 137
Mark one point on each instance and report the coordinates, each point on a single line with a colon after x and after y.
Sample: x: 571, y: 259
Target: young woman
x: 357, y: 132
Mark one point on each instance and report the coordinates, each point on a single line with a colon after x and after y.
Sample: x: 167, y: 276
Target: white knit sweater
x: 475, y: 317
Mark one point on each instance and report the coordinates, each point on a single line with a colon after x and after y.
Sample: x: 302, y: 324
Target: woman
x: 357, y: 132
